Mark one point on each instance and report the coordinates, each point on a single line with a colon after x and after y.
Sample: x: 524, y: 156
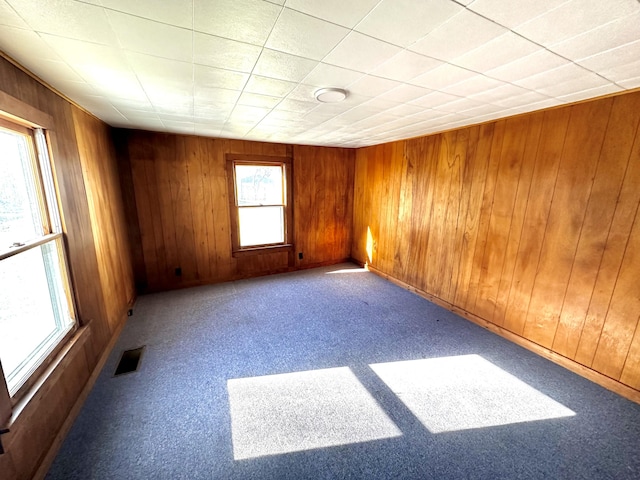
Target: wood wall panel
x: 82, y: 155
x: 106, y: 209
x: 530, y: 223
x: 182, y: 207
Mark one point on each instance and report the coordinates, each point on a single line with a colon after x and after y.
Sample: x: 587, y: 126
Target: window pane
x: 261, y: 225
x: 33, y: 311
x: 20, y: 218
x: 259, y: 185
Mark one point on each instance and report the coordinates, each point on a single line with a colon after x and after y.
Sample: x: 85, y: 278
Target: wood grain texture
x: 83, y: 235
x: 527, y: 223
x: 182, y: 207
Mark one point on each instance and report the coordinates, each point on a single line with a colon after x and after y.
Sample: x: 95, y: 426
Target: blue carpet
x: 317, y: 374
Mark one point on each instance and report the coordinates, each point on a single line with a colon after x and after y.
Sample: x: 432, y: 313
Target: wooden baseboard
x: 50, y: 456
x: 596, y: 377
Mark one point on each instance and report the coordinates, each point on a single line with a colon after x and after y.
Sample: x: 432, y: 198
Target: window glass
x: 261, y: 225
x: 35, y: 313
x: 259, y: 185
x: 20, y: 216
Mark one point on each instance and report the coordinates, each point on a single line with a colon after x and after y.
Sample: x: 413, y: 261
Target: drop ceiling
x: 249, y: 68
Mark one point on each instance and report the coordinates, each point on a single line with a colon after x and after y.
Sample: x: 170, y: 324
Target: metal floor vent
x: 129, y: 361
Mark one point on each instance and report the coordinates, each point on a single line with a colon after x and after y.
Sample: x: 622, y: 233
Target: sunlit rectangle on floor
x: 463, y: 392
x: 292, y: 412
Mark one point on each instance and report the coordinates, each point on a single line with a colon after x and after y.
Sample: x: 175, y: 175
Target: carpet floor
x: 337, y: 373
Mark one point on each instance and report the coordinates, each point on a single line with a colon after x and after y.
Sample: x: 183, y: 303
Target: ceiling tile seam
x: 262, y: 48
x: 351, y: 29
x: 133, y: 70
x: 548, y: 49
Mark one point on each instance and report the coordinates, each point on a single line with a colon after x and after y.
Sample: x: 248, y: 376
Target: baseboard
x: 51, y: 454
x: 586, y: 372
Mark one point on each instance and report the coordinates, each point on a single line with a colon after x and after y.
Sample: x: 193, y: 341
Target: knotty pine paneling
x: 530, y: 223
x: 180, y: 188
x: 78, y: 174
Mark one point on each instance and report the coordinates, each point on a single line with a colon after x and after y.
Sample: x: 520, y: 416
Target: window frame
x: 39, y: 146
x: 286, y: 163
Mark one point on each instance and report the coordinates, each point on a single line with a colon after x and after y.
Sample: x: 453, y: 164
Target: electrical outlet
x: 300, y: 256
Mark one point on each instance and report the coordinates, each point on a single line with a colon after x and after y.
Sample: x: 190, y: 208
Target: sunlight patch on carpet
x: 464, y: 392
x: 299, y: 411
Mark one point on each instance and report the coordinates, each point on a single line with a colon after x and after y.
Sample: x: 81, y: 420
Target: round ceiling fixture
x: 330, y: 95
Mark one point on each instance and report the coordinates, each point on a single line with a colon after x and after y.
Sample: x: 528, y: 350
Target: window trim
x: 287, y: 164
x: 48, y: 200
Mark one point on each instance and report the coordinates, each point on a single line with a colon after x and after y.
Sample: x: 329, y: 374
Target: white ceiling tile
x: 406, y: 65
x: 404, y: 110
x: 506, y: 90
x: 473, y: 85
x: 325, y: 75
x: 515, y: 13
x: 204, y: 130
x: 545, y: 79
x: 243, y: 113
x: 138, y: 105
x: 573, y: 18
x: 175, y: 12
x: 161, y: 71
x: 442, y: 76
x: 499, y: 51
x: 219, y: 78
x: 153, y: 38
x: 68, y: 19
x: 299, y: 106
x: 360, y: 52
x: 526, y: 98
x: 343, y: 13
x: 212, y: 113
x: 606, y: 37
x: 591, y: 93
x: 56, y: 71
x: 434, y: 99
x: 405, y: 93
x: 268, y: 86
x: 402, y: 22
x: 538, y: 62
x: 459, y: 105
x: 622, y: 73
x: 460, y: 34
x: 304, y: 93
x: 221, y: 52
x: 577, y: 84
x: 9, y: 17
x: 104, y: 67
x: 370, y: 86
x: 257, y: 100
x: 214, y: 96
x: 77, y: 89
x: 631, y: 82
x: 283, y: 66
x: 244, y: 20
x: 26, y: 46
x: 304, y: 36
x: 610, y: 59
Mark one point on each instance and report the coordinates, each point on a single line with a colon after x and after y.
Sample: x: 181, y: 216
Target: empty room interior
x: 319, y: 239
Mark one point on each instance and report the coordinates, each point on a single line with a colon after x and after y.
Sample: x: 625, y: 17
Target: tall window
x: 261, y: 207
x: 36, y: 313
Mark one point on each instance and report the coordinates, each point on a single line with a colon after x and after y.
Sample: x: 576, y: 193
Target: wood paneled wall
x: 529, y: 223
x: 78, y: 173
x: 181, y: 211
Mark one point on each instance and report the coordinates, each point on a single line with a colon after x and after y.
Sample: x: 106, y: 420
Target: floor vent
x: 129, y: 361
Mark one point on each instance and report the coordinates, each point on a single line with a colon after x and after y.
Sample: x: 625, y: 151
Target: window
x: 36, y: 310
x: 260, y: 202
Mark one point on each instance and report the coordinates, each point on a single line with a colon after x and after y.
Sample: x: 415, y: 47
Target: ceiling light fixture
x: 330, y: 95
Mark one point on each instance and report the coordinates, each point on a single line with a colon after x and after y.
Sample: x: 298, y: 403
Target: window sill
x: 287, y: 247
x: 53, y: 371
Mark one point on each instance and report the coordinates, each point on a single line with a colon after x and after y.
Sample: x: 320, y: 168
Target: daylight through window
x: 36, y: 312
x: 260, y: 207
